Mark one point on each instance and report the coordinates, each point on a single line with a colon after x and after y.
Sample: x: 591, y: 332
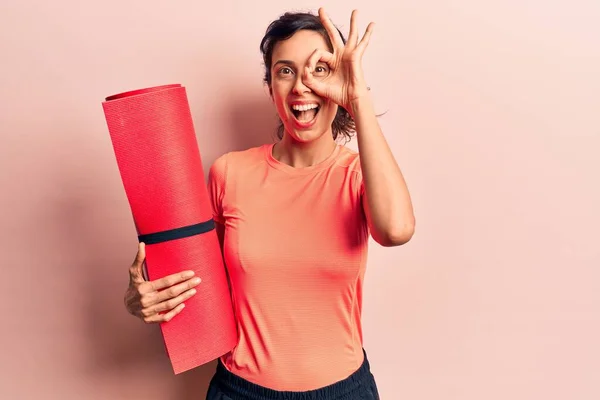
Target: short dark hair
x: 284, y: 28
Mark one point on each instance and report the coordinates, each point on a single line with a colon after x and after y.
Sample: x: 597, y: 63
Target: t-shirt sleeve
x: 359, y: 184
x: 359, y: 192
x: 216, y: 187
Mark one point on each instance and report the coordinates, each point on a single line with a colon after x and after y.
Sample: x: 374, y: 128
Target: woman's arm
x: 387, y: 202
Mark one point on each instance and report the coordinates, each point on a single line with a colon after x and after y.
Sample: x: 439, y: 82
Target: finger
x: 165, y: 282
x: 332, y: 31
x: 136, y: 272
x: 169, y: 304
x: 353, y: 35
x: 141, y: 254
x: 158, y: 318
x: 319, y: 55
x: 364, y: 42
x: 176, y: 290
x: 150, y: 298
x: 317, y: 86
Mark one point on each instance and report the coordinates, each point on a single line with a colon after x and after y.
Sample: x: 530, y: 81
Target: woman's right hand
x: 160, y: 300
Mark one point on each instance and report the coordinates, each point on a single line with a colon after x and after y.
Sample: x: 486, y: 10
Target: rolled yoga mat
x: 155, y: 145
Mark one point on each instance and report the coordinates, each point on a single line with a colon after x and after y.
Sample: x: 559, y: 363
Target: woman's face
x: 305, y: 115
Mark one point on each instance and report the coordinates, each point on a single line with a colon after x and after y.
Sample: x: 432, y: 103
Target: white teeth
x: 304, y: 107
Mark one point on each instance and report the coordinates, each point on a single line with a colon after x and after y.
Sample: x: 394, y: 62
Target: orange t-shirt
x: 295, y: 247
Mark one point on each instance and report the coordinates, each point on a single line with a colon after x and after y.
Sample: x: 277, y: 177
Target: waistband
x: 238, y: 388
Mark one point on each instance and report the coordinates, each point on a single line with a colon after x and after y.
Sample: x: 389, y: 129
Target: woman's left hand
x: 344, y: 83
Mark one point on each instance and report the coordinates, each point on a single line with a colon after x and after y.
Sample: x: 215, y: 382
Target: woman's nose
x: 299, y: 86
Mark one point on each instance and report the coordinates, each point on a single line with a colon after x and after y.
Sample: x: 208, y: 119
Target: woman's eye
x: 320, y: 70
x: 285, y: 71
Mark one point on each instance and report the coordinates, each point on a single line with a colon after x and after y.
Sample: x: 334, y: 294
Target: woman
x: 293, y: 219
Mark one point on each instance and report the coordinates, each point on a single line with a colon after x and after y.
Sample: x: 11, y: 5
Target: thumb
x: 319, y: 87
x: 136, y: 271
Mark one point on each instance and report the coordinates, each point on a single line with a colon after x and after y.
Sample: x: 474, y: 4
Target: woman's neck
x: 300, y: 155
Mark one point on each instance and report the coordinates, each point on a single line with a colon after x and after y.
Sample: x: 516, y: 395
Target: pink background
x: 492, y: 111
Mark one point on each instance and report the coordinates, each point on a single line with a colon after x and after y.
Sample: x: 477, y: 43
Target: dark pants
x: 358, y: 386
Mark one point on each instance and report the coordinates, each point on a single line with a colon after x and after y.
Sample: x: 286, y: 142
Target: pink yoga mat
x: 159, y: 161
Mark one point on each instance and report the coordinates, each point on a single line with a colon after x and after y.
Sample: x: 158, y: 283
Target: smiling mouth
x: 305, y: 113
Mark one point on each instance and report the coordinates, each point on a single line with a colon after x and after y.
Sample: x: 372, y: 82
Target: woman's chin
x: 307, y: 136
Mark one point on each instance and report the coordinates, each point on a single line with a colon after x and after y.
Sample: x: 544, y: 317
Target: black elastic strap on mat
x: 178, y: 233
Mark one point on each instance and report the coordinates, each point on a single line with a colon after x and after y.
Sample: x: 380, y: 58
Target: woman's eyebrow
x: 288, y: 62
